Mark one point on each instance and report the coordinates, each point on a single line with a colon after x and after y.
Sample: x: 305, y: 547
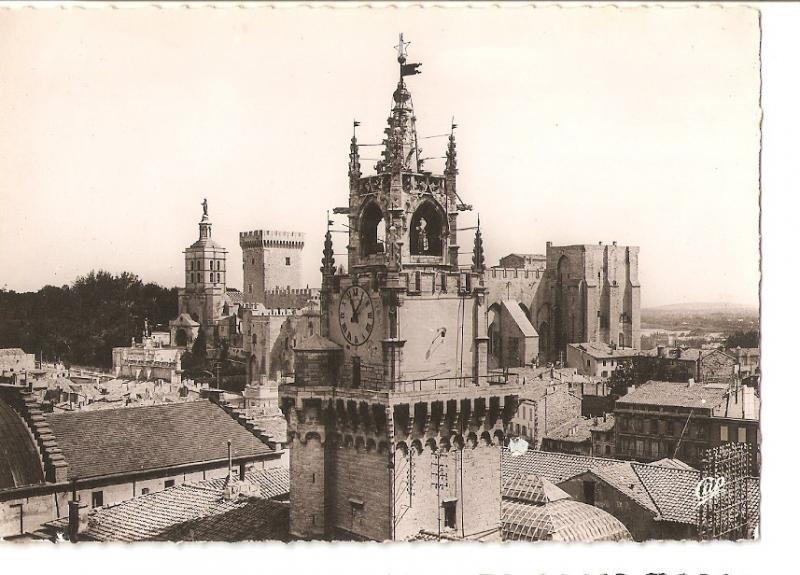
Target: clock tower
x: 394, y: 418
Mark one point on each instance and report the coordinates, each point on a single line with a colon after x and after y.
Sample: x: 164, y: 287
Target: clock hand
x: 352, y: 307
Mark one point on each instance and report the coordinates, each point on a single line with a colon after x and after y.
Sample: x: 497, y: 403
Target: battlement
x: 416, y: 282
x: 514, y: 273
x: 271, y: 239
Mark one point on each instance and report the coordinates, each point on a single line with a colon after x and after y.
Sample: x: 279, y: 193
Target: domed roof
x: 564, y: 520
x: 19, y: 459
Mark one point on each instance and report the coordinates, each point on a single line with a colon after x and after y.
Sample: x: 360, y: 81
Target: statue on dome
x: 205, y: 207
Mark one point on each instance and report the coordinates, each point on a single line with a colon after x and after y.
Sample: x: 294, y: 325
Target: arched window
x: 211, y: 277
x: 372, y: 230
x: 180, y: 337
x: 563, y: 269
x: 217, y: 265
x: 622, y: 340
x: 191, y: 265
x: 427, y: 226
x: 218, y: 278
x: 191, y: 278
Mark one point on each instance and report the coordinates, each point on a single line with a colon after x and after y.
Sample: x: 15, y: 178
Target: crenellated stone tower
x: 271, y: 260
x: 394, y: 419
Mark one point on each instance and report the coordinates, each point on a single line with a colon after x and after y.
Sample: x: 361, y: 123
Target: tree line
x: 81, y: 323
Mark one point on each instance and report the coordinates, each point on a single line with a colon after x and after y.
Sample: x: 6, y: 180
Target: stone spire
x: 478, y: 261
x: 354, y: 170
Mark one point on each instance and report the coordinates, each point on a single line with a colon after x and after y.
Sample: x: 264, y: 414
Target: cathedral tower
x: 202, y: 298
x: 394, y: 418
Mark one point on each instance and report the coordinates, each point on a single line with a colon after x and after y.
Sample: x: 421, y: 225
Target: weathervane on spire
x: 405, y: 69
x: 401, y: 50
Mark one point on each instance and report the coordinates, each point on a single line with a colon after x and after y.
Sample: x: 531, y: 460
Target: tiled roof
x: 667, y: 490
x: 565, y: 520
x: 602, y: 424
x: 11, y: 351
x: 257, y: 520
x: 555, y: 467
x: 531, y: 489
x: 20, y: 463
x: 190, y: 512
x: 273, y: 425
x: 574, y: 430
x: 686, y: 353
x: 273, y: 482
x: 132, y: 439
x: 317, y: 343
x: 623, y: 478
x: 740, y: 404
x: 671, y: 490
x: 674, y: 463
x: 234, y: 296
x: 184, y: 319
x: 675, y: 394
x: 603, y: 351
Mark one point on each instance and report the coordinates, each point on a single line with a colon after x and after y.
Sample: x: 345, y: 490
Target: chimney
x: 230, y: 460
x: 604, y: 417
x: 242, y: 471
x: 78, y: 513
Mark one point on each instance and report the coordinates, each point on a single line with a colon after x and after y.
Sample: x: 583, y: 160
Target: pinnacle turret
x: 354, y: 170
x: 327, y: 268
x: 478, y: 260
x: 451, y: 162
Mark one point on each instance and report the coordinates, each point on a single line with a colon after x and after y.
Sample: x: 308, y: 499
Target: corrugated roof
x: 132, y: 439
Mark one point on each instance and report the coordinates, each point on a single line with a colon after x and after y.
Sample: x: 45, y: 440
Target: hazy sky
x: 575, y: 126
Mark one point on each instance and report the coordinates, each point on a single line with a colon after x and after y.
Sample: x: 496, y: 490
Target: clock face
x: 356, y: 315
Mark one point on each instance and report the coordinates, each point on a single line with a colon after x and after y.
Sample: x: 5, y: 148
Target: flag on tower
x: 410, y: 69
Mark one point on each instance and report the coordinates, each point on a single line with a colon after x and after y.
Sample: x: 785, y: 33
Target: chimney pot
x: 78, y: 513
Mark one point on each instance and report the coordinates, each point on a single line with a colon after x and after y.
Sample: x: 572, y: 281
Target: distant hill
x: 707, y: 307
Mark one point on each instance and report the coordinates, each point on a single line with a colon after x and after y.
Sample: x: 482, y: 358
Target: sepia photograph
x: 306, y: 273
